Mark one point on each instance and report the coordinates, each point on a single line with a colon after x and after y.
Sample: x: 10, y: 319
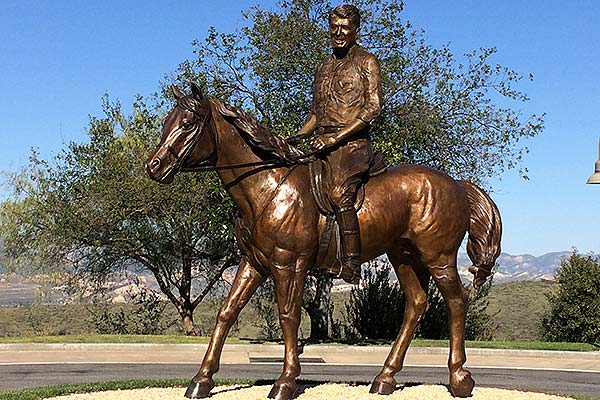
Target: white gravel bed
x: 321, y: 392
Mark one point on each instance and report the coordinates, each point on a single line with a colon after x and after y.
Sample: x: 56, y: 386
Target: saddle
x: 329, y: 254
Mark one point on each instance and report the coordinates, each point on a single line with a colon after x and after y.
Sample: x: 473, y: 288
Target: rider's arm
x: 310, y: 125
x: 372, y: 107
x: 354, y: 127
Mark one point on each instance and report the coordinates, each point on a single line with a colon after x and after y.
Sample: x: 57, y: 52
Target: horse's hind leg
x: 446, y: 277
x: 414, y: 278
x: 247, y: 280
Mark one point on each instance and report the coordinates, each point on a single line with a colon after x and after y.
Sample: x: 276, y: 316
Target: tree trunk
x: 187, y: 320
x: 317, y: 306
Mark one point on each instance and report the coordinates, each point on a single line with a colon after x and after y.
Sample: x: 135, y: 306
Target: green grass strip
x: 62, y: 390
x: 555, y: 346
x: 175, y: 339
x: 159, y: 339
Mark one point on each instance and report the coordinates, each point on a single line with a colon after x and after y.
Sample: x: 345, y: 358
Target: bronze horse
x: 416, y: 215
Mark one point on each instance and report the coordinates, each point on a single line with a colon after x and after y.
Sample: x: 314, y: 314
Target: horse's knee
x: 227, y: 313
x: 420, y: 305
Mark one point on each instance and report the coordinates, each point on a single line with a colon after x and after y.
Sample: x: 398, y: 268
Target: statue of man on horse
x: 414, y: 214
x: 347, y: 98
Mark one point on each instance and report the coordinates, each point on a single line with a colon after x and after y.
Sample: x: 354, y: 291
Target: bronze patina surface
x: 347, y: 98
x: 416, y: 215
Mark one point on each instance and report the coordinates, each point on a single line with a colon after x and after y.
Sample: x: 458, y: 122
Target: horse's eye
x: 186, y: 123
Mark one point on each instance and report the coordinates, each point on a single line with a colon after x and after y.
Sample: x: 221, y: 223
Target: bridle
x: 199, y: 132
x: 197, y: 135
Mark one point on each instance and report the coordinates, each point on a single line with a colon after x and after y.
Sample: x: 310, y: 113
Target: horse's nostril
x: 154, y: 164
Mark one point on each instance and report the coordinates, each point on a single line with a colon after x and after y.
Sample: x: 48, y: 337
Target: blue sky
x: 60, y: 57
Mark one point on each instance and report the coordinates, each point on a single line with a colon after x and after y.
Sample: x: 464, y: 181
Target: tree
x: 93, y: 211
x: 317, y: 304
x: 574, y: 314
x: 439, y: 109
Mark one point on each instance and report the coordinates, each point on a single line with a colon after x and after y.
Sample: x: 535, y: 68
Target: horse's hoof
x: 462, y: 384
x: 380, y: 387
x: 283, y: 391
x: 199, y: 390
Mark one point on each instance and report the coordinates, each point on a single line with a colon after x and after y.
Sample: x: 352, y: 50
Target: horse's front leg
x: 289, y: 285
x: 246, y: 281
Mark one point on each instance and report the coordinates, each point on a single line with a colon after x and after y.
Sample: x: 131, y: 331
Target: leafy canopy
x: 93, y: 210
x: 438, y: 109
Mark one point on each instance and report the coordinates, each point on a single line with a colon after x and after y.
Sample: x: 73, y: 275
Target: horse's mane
x: 259, y: 136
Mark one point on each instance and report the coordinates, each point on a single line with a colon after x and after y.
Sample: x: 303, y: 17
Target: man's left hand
x: 323, y: 142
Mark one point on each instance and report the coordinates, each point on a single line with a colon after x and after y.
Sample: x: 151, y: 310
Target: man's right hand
x: 296, y: 140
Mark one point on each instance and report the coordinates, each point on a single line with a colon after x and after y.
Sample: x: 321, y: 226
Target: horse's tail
x: 485, y: 231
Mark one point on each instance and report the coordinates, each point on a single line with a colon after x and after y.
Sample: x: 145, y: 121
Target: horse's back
x: 415, y: 203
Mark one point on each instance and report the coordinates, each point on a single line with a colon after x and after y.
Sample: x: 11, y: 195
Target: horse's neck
x: 248, y: 186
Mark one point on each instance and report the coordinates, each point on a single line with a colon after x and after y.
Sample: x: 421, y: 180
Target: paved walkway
x: 262, y: 353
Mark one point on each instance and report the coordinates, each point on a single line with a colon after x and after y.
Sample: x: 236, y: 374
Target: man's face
x: 343, y: 32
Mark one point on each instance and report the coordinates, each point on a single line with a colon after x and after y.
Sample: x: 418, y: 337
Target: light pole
x: 595, y: 178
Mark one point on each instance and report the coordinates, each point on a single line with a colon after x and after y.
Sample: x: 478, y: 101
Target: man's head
x: 344, y: 24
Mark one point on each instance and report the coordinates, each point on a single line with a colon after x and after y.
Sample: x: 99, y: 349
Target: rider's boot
x: 350, y: 241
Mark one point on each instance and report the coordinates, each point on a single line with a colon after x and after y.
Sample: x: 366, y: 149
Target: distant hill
x: 17, y: 291
x: 524, y: 267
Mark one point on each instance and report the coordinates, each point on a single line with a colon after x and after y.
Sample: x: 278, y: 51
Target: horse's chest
x: 269, y: 245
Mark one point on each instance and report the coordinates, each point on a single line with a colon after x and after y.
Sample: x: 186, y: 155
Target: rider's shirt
x: 347, y: 89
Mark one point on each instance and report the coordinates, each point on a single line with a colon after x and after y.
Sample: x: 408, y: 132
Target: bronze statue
x: 416, y: 215
x: 347, y: 97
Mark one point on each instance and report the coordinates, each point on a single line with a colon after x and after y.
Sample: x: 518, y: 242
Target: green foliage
x: 575, y: 307
x: 93, y: 210
x: 146, y: 317
x: 316, y: 302
x: 439, y: 109
x: 376, y: 307
x: 375, y: 310
x: 266, y: 319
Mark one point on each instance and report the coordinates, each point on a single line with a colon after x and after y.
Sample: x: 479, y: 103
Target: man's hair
x: 347, y: 11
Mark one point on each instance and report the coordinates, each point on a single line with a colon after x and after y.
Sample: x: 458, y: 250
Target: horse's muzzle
x: 157, y: 172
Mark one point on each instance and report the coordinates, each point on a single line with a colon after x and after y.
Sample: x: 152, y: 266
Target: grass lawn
x: 176, y: 339
x: 61, y: 390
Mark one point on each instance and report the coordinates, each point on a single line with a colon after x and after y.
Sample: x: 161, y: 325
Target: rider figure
x: 347, y: 97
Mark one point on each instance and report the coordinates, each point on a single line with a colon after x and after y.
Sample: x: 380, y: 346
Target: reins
x: 276, y: 163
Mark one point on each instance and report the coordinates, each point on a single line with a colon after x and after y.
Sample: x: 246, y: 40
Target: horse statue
x: 416, y: 215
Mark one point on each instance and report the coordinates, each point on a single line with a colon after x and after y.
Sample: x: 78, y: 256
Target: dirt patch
x: 320, y: 392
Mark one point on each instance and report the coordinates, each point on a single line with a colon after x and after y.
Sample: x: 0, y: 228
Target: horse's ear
x: 176, y: 93
x: 196, y: 91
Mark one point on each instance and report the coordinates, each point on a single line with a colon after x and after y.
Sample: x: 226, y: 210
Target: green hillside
x: 517, y: 308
